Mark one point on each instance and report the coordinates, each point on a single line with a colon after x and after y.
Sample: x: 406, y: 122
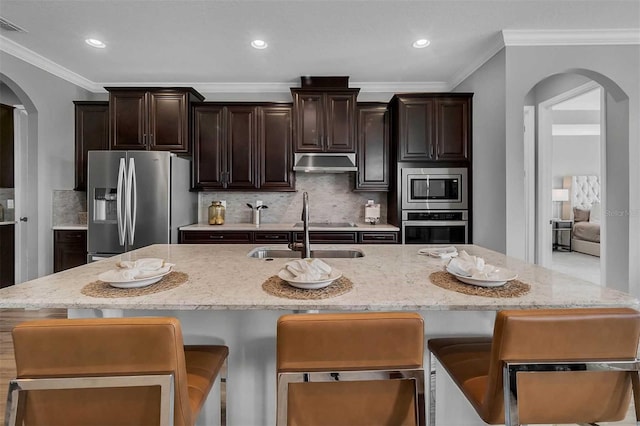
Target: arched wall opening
x: 615, y: 241
x: 26, y: 147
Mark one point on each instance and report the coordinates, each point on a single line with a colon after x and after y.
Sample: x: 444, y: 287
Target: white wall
x: 51, y: 144
x: 489, y: 174
x: 616, y: 69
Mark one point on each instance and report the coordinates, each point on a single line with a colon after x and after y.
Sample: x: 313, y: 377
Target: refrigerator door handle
x: 122, y: 226
x: 132, y: 200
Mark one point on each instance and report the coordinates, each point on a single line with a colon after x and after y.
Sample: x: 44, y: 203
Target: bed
x: 585, y: 212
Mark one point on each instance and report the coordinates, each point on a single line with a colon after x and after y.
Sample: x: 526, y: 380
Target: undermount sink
x: 272, y: 252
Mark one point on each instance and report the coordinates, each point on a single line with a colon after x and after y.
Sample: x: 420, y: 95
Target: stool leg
x: 431, y: 364
x: 223, y: 393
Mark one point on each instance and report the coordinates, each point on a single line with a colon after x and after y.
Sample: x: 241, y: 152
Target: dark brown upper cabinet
x: 6, y: 146
x: 324, y: 119
x: 91, y: 134
x: 225, y: 146
x: 373, y: 147
x: 150, y: 118
x: 432, y: 127
x: 275, y: 148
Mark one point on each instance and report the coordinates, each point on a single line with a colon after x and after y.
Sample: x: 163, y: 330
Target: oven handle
x: 435, y: 223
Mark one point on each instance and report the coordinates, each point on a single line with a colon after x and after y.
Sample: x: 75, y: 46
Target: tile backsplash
x: 66, y: 206
x: 331, y: 198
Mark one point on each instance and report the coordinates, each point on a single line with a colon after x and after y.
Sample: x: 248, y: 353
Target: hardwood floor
x: 9, y: 318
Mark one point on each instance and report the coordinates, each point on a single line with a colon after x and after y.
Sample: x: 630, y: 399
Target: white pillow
x: 594, y: 216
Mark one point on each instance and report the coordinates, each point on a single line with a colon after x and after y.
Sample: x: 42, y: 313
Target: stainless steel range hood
x: 320, y: 162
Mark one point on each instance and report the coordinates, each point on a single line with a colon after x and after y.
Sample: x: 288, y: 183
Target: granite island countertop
x: 388, y: 277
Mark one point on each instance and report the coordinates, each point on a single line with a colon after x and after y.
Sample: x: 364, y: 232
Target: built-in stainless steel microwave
x: 434, y: 189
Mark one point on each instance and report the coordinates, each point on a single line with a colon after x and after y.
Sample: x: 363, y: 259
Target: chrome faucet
x: 304, y: 247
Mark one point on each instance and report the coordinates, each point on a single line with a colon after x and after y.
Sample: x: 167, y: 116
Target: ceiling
x: 207, y: 43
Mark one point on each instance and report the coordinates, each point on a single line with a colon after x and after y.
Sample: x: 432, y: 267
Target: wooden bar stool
x: 108, y: 371
x: 350, y: 369
x: 548, y: 366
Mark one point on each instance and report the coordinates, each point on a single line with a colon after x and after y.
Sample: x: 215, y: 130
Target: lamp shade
x: 560, y: 195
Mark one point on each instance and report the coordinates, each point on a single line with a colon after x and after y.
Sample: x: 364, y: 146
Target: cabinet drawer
x: 322, y: 237
x: 215, y: 237
x: 272, y: 237
x: 79, y: 237
x: 378, y: 237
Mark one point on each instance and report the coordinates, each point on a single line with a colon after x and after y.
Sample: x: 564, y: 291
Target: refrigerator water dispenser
x: 105, y: 205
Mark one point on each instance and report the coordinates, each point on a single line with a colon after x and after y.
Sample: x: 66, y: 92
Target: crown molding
x: 571, y: 37
x: 496, y: 46
x: 39, y: 61
x: 402, y: 87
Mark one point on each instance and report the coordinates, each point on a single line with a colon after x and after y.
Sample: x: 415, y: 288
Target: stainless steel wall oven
x: 435, y: 227
x: 435, y: 204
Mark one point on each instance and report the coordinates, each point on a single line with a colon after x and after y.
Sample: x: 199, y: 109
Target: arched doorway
x: 614, y: 171
x: 26, y: 178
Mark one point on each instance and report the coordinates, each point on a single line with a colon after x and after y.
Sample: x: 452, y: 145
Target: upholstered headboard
x: 585, y: 190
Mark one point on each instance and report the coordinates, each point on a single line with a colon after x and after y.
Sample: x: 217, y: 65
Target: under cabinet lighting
x: 259, y: 44
x: 95, y: 43
x: 419, y: 44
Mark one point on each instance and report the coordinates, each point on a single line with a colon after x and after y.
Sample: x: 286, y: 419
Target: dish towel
x: 309, y: 269
x: 142, y: 268
x: 467, y: 265
x: 441, y: 252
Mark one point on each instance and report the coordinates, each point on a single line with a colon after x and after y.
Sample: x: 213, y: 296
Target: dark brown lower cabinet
x: 378, y: 238
x: 215, y: 237
x: 69, y: 249
x: 284, y: 237
x: 7, y: 260
x: 323, y: 237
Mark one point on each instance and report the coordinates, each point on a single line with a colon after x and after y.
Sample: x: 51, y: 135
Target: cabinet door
x: 242, y: 145
x: 378, y: 238
x: 373, y: 148
x: 7, y: 260
x: 91, y: 134
x: 208, y: 147
x: 327, y: 237
x: 70, y: 249
x: 308, y: 124
x: 340, y: 122
x: 128, y: 117
x: 168, y: 128
x: 416, y: 127
x: 6, y: 146
x: 275, y: 149
x: 271, y: 237
x: 452, y: 123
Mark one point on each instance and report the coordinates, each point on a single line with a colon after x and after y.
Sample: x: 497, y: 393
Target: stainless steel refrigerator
x: 136, y: 198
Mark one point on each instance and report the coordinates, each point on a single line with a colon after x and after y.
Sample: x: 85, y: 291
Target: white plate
x: 309, y: 285
x: 135, y: 283
x: 499, y: 278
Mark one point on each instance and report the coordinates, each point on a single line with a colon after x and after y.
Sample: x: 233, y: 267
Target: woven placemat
x: 276, y: 286
x: 103, y: 289
x: 513, y: 288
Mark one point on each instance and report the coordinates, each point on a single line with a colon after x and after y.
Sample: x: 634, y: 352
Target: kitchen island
x: 223, y: 302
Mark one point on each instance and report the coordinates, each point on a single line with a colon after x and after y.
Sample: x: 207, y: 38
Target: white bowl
x: 498, y: 278
x: 309, y: 285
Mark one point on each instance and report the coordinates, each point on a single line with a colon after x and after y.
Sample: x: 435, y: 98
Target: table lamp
x: 560, y: 196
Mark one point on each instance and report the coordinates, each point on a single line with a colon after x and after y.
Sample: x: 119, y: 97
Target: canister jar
x: 216, y: 213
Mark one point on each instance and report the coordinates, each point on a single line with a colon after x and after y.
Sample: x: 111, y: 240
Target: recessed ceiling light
x: 259, y: 44
x: 95, y: 43
x: 419, y: 44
